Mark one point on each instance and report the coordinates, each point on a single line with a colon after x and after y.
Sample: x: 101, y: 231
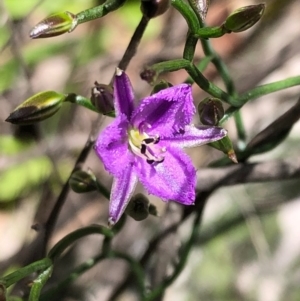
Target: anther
x: 143, y: 149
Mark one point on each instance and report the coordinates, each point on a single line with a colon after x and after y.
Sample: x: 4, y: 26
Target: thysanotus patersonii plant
x: 146, y: 139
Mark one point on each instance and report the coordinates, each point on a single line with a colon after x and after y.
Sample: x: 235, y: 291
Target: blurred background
x: 248, y: 245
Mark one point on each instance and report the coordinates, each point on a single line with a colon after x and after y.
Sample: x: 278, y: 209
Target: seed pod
x: 244, y: 18
x: 54, y: 25
x: 210, y: 111
x: 138, y: 207
x: 154, y: 8
x: 82, y: 181
x: 102, y: 98
x: 37, y: 108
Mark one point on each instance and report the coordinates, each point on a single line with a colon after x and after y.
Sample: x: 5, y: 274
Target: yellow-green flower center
x: 145, y: 146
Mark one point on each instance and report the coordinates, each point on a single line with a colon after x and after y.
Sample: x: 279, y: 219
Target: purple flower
x: 145, y: 143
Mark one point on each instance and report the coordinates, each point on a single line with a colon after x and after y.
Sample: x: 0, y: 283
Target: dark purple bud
x: 103, y: 99
x: 244, y: 18
x: 54, y: 25
x: 138, y: 207
x: 210, y: 111
x: 83, y: 181
x: 154, y: 8
x: 37, y: 108
x: 149, y: 75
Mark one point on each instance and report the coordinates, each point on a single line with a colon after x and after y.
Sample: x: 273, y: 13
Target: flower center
x: 145, y: 146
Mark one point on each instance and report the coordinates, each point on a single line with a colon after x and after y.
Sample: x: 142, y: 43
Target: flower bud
x: 210, y: 111
x: 37, y: 108
x: 154, y: 8
x: 161, y: 86
x: 102, y: 98
x: 138, y: 207
x: 149, y: 75
x: 54, y: 25
x: 82, y: 181
x: 225, y: 145
x: 153, y: 210
x: 244, y: 18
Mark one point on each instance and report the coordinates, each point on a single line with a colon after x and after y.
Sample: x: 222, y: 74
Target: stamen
x: 143, y: 149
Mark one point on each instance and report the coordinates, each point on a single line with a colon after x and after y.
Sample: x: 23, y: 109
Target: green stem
x: 134, y: 43
x: 230, y: 87
x: 75, y: 235
x: 208, y: 86
x: 158, y: 291
x: 187, y: 12
x: 190, y: 47
x: 99, y: 11
x: 269, y: 88
x: 261, y: 91
x: 82, y: 101
x: 39, y: 283
x: 241, y: 132
x: 25, y: 271
x: 87, y: 265
x: 209, y: 32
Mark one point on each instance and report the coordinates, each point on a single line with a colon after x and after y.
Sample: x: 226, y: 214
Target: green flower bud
x: 244, y: 18
x: 161, y: 86
x: 210, y: 111
x: 138, y: 207
x: 225, y: 145
x: 54, y: 25
x: 154, y: 8
x: 201, y: 7
x: 103, y: 99
x: 83, y: 181
x: 37, y: 108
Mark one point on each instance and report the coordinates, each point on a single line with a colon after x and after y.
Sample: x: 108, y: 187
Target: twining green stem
x: 241, y: 132
x: 190, y: 47
x: 158, y: 291
x: 261, y: 91
x: 21, y: 273
x: 87, y: 265
x: 269, y: 88
x: 188, y: 13
x: 134, y: 43
x: 75, y: 235
x: 99, y: 11
x: 82, y: 101
x: 229, y: 84
x: 209, y: 32
x: 208, y: 86
x: 39, y: 283
x: 196, y: 75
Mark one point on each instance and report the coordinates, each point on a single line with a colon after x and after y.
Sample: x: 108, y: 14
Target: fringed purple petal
x: 112, y: 146
x: 173, y: 179
x: 195, y: 136
x: 121, y: 192
x: 165, y: 112
x: 123, y: 94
